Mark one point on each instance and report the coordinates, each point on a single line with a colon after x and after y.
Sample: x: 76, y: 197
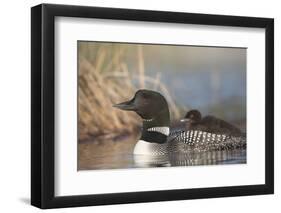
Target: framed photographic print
x: 140, y: 106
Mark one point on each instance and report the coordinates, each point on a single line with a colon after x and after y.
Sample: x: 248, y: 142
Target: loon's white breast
x: 143, y: 147
x: 149, y: 148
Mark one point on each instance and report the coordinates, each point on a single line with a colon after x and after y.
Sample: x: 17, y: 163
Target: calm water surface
x: 117, y: 154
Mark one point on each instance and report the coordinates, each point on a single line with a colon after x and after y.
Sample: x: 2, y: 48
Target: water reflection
x: 112, y: 154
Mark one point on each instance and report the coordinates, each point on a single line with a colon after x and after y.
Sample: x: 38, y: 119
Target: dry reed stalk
x: 100, y: 60
x: 96, y: 96
x: 115, y: 60
x: 128, y: 80
x: 157, y: 80
x: 140, y: 61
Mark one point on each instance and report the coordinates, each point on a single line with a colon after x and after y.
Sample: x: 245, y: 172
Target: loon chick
x: 156, y: 138
x: 209, y: 124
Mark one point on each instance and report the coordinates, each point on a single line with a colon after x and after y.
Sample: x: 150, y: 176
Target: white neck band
x: 163, y: 130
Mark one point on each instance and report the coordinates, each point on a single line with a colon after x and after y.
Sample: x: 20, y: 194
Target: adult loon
x: 156, y: 138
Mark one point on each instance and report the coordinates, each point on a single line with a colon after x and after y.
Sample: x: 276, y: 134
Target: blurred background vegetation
x: 210, y: 79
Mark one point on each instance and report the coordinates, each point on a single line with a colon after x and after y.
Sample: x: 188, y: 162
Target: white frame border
x: 70, y: 182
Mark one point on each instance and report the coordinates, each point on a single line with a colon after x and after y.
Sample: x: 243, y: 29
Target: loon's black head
x: 152, y: 107
x: 192, y: 116
x: 149, y: 105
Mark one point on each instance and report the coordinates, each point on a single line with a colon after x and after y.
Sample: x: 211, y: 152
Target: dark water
x: 112, y: 154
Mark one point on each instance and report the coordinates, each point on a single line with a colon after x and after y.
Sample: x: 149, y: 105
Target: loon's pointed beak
x: 127, y: 105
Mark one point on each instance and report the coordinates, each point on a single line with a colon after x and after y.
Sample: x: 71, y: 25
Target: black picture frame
x: 43, y: 102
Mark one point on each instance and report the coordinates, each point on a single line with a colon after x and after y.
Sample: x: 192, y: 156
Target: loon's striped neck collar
x: 155, y: 131
x: 162, y: 129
